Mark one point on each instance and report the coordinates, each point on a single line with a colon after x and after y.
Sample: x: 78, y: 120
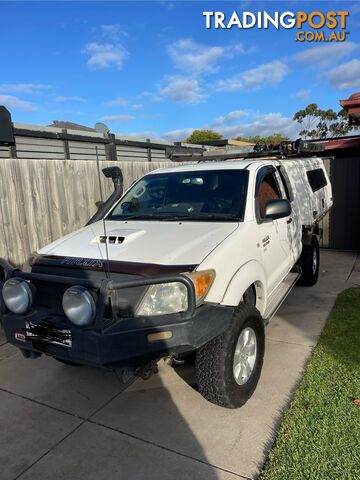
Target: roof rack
x: 261, y: 150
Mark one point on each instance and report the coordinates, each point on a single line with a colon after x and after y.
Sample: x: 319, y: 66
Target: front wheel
x: 228, y: 367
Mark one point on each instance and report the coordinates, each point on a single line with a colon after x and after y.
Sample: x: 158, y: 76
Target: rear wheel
x: 309, y: 263
x: 228, y: 367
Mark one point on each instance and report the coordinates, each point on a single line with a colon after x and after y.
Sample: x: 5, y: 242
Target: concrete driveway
x: 64, y: 422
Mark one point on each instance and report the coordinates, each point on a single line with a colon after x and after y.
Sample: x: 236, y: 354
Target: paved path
x: 59, y: 422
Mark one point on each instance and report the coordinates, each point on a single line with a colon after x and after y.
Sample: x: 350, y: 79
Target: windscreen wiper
x: 134, y: 217
x: 204, y: 217
x: 176, y: 218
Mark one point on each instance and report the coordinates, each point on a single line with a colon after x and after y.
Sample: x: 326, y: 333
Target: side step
x: 281, y: 293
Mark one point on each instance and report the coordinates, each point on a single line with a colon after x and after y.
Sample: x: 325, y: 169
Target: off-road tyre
x: 214, y: 361
x: 310, y: 270
x: 249, y: 298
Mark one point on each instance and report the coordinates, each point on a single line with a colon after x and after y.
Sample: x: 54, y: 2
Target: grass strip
x: 320, y: 436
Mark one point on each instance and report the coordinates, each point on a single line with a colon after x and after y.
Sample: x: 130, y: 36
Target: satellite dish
x: 101, y: 128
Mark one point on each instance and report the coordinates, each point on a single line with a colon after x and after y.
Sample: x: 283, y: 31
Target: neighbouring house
x: 71, y: 126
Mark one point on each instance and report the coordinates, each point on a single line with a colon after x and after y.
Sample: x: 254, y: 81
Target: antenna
x: 107, y: 268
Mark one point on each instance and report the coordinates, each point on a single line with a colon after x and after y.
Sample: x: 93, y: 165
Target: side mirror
x: 277, y: 209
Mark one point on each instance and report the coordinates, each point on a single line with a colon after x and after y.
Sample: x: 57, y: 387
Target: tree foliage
x: 203, y: 136
x: 318, y: 123
x: 270, y: 139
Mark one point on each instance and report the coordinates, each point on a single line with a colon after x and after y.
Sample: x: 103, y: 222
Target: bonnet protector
x: 111, y: 266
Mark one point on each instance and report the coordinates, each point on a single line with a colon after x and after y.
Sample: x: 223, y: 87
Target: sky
x: 152, y: 69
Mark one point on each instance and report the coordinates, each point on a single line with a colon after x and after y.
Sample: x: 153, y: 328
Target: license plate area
x: 43, y: 332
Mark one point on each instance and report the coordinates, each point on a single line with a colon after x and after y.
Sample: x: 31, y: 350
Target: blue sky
x: 153, y: 69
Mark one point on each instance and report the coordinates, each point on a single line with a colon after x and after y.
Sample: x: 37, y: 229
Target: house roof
x: 228, y: 141
x: 340, y: 147
x: 352, y: 106
x: 71, y: 126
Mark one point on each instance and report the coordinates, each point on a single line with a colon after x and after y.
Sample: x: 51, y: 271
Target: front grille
x: 49, y: 295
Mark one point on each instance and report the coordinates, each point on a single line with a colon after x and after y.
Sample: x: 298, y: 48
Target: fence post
x: 12, y: 151
x: 148, y: 151
x: 66, y: 145
x: 110, y: 148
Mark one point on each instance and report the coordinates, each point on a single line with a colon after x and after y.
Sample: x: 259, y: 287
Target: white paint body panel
x: 166, y: 243
x: 236, y: 251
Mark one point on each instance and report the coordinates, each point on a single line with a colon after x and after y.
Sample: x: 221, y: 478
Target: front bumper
x: 115, y: 343
x: 117, y: 346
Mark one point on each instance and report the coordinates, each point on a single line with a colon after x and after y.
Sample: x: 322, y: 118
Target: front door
x: 274, y: 235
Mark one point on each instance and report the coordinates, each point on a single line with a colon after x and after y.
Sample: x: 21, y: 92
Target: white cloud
x: 325, y: 55
x: 262, y: 124
x: 182, y: 89
x: 251, y: 123
x: 118, y: 118
x: 113, y: 32
x: 137, y: 106
x: 15, y: 103
x: 346, y: 75
x: 176, y: 135
x: 229, y: 117
x: 105, y: 55
x: 62, y: 98
x: 168, y: 5
x: 196, y: 58
x: 264, y: 75
x: 302, y: 94
x: 23, y: 87
x: 118, y: 102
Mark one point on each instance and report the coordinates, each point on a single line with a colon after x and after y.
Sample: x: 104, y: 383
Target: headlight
x: 79, y: 305
x: 168, y: 298
x: 163, y: 299
x: 17, y: 295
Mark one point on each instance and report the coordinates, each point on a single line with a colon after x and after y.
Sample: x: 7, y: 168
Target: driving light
x: 17, y: 295
x: 79, y: 306
x: 202, y: 282
x: 163, y: 299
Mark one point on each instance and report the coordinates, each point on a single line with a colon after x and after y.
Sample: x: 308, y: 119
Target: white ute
x: 192, y: 258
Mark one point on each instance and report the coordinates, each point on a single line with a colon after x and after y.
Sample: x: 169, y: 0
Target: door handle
x: 289, y: 220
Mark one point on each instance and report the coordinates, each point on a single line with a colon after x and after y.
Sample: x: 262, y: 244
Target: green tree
x: 270, y: 139
x: 203, y: 136
x: 318, y: 123
x: 341, y: 127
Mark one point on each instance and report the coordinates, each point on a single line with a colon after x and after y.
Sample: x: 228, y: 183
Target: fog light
x: 79, y: 306
x: 17, y: 295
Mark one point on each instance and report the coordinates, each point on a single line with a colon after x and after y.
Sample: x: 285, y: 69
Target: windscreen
x: 196, y: 195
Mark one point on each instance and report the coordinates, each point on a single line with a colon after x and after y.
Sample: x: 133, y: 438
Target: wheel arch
x: 249, y: 275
